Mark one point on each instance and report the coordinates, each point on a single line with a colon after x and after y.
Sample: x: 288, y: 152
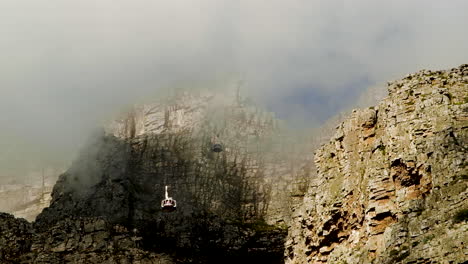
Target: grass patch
x: 460, y: 102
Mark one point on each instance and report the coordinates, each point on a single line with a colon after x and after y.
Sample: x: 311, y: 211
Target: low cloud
x: 67, y: 66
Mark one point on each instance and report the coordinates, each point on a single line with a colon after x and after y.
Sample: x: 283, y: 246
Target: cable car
x: 168, y: 204
x: 217, y: 148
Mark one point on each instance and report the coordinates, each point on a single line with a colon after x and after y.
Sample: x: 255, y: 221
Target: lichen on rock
x: 391, y: 180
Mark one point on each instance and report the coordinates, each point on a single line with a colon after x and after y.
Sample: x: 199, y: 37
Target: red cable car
x: 168, y: 204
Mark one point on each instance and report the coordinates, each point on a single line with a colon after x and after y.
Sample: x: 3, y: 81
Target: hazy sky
x: 67, y: 65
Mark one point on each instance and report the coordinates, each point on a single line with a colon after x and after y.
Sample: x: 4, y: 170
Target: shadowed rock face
x: 72, y: 240
x: 232, y: 205
x: 391, y: 180
x: 15, y: 239
x: 210, y: 218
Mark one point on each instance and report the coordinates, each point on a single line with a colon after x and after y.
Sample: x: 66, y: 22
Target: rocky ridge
x: 391, y: 184
x: 72, y: 240
x: 232, y: 206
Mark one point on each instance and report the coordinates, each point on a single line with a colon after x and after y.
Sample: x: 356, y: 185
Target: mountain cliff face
x: 232, y: 206
x: 389, y: 187
x: 391, y: 184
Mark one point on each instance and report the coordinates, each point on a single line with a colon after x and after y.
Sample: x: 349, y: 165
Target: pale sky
x: 67, y: 65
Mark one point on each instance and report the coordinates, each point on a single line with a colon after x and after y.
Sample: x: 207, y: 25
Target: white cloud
x: 66, y: 65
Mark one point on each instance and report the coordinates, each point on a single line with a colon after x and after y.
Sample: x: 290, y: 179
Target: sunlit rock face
x: 232, y: 205
x: 392, y: 181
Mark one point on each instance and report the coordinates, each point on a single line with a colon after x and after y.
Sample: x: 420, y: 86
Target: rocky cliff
x: 389, y: 187
x: 233, y: 206
x: 391, y: 184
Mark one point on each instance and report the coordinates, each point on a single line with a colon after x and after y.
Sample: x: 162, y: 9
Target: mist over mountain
x: 68, y: 67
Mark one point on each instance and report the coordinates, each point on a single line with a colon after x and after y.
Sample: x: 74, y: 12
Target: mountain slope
x: 392, y: 181
x: 232, y: 205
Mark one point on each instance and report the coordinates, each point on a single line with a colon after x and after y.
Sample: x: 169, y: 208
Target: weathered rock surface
x: 233, y: 206
x: 72, y: 240
x: 15, y: 238
x: 392, y: 181
x: 390, y: 186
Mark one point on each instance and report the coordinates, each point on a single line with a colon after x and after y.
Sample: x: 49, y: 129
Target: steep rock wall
x: 72, y: 240
x: 233, y: 206
x: 392, y: 182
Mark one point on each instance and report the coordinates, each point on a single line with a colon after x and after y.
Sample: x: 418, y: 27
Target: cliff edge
x: 392, y: 181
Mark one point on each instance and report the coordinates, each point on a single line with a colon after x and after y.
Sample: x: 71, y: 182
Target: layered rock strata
x: 391, y: 184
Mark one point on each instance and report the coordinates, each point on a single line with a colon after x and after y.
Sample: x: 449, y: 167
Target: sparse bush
x: 393, y: 253
x: 403, y: 256
x: 382, y: 148
x: 461, y: 216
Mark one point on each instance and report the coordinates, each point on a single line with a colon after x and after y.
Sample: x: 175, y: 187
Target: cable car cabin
x: 217, y: 148
x: 168, y: 204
